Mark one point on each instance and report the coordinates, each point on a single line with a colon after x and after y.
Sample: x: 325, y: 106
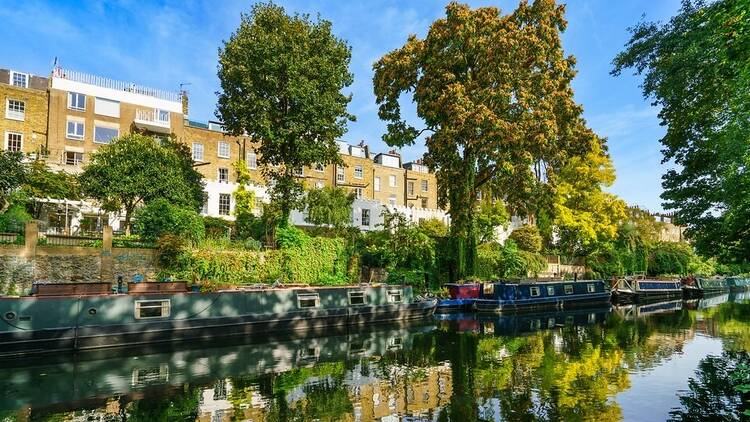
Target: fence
x: 64, y: 240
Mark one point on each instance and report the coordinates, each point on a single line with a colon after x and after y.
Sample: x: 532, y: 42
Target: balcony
x: 154, y: 120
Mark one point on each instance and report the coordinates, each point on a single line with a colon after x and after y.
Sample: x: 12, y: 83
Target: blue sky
x: 165, y: 43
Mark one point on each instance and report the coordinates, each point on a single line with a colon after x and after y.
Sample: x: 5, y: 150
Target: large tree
x: 282, y: 79
x: 135, y: 169
x: 494, y: 92
x: 12, y: 176
x: 329, y: 206
x: 41, y: 183
x: 696, y: 69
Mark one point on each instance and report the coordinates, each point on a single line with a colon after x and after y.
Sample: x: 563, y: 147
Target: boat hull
x: 547, y: 303
x: 454, y: 305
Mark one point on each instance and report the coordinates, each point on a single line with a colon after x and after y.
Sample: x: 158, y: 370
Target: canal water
x: 663, y: 361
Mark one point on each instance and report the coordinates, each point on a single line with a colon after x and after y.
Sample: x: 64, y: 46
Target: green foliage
x: 490, y: 215
x: 217, y: 227
x: 399, y: 245
x: 12, y: 175
x: 282, y: 79
x: 696, y: 69
x: 136, y: 169
x: 290, y: 237
x: 160, y: 217
x: 670, y: 258
x: 244, y: 200
x: 41, y: 182
x: 527, y: 238
x: 433, y: 227
x: 170, y: 248
x: 329, y: 206
x: 507, y: 261
x: 14, y: 219
x: 507, y: 139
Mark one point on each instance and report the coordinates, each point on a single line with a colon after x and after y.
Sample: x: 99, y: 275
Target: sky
x: 163, y: 44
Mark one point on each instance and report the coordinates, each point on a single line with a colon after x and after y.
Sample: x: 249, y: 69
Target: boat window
x: 308, y: 300
x: 489, y: 289
x: 550, y: 290
x: 534, y: 291
x: 568, y: 289
x: 394, y: 296
x: 592, y: 288
x: 550, y: 322
x: 145, y: 309
x: 395, y: 342
x: 357, y: 298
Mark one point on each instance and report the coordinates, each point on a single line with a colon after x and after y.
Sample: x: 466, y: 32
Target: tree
x: 527, y: 238
x: 696, y: 69
x: 136, y: 169
x: 329, y: 206
x: 41, y: 182
x: 244, y: 202
x: 490, y: 215
x: 282, y: 79
x: 494, y: 93
x: 12, y: 175
x: 159, y: 218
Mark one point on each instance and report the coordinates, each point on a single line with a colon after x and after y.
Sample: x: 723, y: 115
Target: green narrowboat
x: 51, y: 324
x: 738, y: 284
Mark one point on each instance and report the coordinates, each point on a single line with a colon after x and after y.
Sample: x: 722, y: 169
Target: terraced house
x: 65, y: 117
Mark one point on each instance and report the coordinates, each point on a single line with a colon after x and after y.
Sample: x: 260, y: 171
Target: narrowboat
x: 698, y: 287
x: 528, y: 296
x: 639, y: 288
x: 461, y: 297
x: 51, y: 324
x: 738, y: 284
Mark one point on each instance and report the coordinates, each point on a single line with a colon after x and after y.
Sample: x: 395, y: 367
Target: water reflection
x: 604, y: 364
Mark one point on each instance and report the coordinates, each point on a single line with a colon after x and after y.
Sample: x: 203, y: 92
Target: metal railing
x: 63, y: 240
x: 103, y: 82
x: 156, y: 117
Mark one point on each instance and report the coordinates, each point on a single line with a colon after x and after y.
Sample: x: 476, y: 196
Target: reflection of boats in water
x: 739, y: 296
x: 707, y: 301
x: 523, y: 323
x: 631, y: 311
x: 88, y: 379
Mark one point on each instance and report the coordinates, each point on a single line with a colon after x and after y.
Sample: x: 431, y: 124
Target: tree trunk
x: 463, y: 226
x: 128, y: 214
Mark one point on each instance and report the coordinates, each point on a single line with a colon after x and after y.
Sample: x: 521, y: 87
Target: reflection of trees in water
x: 730, y: 321
x: 713, y: 391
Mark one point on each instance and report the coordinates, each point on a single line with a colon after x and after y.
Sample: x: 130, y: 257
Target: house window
x: 568, y: 289
x: 534, y: 291
x: 14, y: 141
x: 377, y: 184
x: 339, y: 174
x: 424, y: 202
x: 358, y: 173
x: 145, y: 309
x: 410, y: 188
x: 319, y: 168
x: 105, y: 107
x: 591, y: 288
x: 550, y: 290
x: 76, y: 101
x: 204, y: 209
x: 299, y: 172
x: 252, y: 160
x: 224, y: 150
x: 357, y: 298
x: 394, y: 296
x: 308, y: 300
x: 75, y: 130
x: 104, y: 135
x: 392, y: 200
x: 15, y: 110
x: 224, y: 203
x: 366, y: 217
x: 392, y: 181
x: 19, y: 79
x: 73, y: 158
x: 224, y: 175
x: 425, y: 186
x: 359, y: 193
x: 162, y: 116
x: 197, y: 151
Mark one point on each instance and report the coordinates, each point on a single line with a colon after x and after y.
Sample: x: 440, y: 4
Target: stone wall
x: 58, y: 264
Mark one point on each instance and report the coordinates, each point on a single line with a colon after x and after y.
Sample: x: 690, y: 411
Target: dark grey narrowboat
x: 529, y: 296
x: 639, y: 288
x: 50, y: 324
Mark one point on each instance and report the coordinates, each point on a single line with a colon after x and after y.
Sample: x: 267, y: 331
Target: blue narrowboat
x: 639, y: 288
x: 527, y: 296
x: 738, y: 284
x: 698, y: 287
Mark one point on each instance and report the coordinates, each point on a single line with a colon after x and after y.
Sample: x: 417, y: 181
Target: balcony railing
x: 116, y: 85
x: 153, y: 119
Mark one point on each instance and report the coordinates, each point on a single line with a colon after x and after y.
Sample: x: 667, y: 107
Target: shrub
x: 159, y: 217
x: 497, y: 261
x: 13, y: 219
x: 217, y: 227
x: 527, y: 238
x: 433, y: 227
x: 290, y: 236
x: 170, y: 248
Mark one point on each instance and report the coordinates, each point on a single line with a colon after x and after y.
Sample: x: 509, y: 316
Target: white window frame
x: 392, y: 181
x: 15, y: 114
x: 221, y: 170
x: 76, y: 159
x: 410, y: 188
x: 308, y: 296
x: 393, y: 295
x: 299, y: 172
x: 357, y: 293
x: 74, y: 135
x: 229, y: 203
x: 104, y: 127
x: 340, y: 176
x: 159, y: 113
x: 425, y: 185
x: 164, y: 304
x: 534, y: 291
x: 319, y: 168
x: 319, y: 184
x: 197, y: 151
x: 550, y: 290
x: 365, y: 217
x: 223, y: 154
x: 424, y: 203
x: 359, y: 172
x: 72, y: 106
x: 568, y: 289
x: 6, y: 144
x: 12, y: 82
x: 591, y: 288
x: 392, y: 200
x: 101, y: 104
x: 251, y: 159
x: 376, y: 184
x: 359, y: 193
